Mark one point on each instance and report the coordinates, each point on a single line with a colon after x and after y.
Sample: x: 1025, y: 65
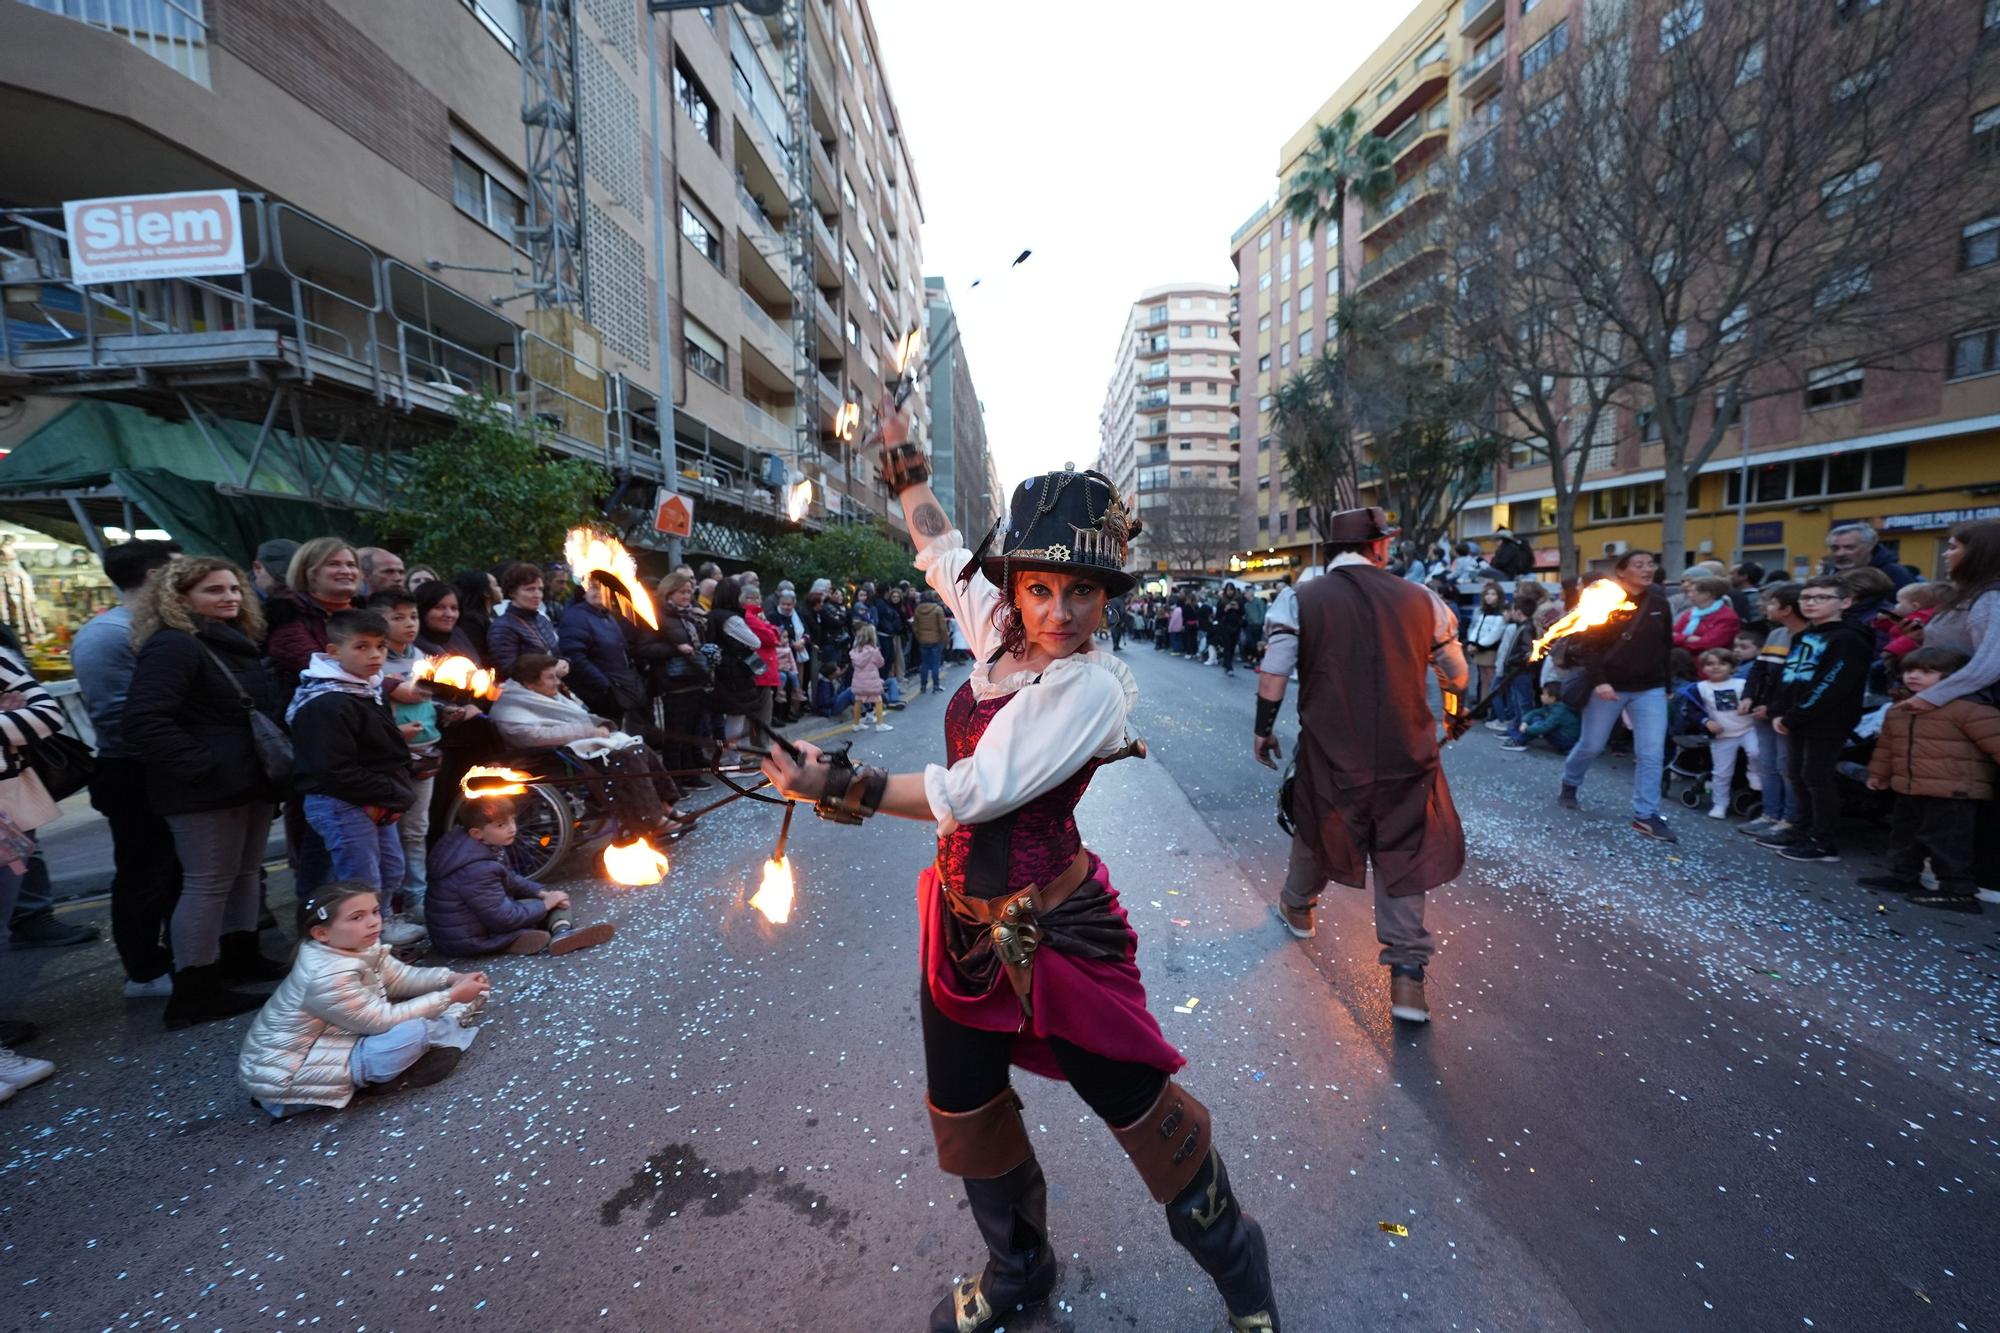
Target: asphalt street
x: 1682, y: 1087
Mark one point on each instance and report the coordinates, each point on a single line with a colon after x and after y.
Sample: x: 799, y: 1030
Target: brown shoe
x: 1297, y: 920
x: 583, y: 937
x: 1406, y: 999
x: 529, y: 941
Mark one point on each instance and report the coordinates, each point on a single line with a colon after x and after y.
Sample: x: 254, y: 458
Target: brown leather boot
x: 988, y: 1146
x: 1298, y: 921
x: 1406, y: 996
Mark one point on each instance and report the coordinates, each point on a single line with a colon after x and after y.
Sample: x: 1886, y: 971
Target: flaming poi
x: 636, y: 863
x: 774, y: 895
x: 906, y: 347
x: 459, y: 674
x: 799, y: 499
x: 481, y: 781
x: 1595, y: 606
x: 605, y: 563
x: 847, y: 421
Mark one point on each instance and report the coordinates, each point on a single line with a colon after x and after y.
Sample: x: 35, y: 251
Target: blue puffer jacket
x: 600, y: 665
x: 514, y: 632
x: 476, y: 904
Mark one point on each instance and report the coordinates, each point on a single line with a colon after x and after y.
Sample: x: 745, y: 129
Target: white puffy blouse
x: 1073, y: 710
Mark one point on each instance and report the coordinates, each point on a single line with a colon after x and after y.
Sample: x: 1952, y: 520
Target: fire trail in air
x: 1595, y: 606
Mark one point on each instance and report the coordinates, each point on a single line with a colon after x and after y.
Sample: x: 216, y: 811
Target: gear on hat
x: 1068, y: 521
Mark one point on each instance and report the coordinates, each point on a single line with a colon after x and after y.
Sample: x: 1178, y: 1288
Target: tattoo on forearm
x: 930, y: 520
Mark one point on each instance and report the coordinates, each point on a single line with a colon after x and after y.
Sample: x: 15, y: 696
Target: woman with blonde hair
x: 196, y: 628
x: 324, y: 577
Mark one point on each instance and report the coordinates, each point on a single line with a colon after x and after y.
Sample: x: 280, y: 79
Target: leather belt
x: 1015, y: 925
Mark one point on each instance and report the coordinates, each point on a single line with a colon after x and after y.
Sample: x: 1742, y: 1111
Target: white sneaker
x: 884, y: 726
x: 1719, y: 812
x: 1988, y: 895
x: 20, y: 1071
x: 399, y: 931
x: 158, y: 988
x: 1497, y: 725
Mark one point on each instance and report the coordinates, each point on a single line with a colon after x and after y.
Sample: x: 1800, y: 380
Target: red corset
x: 1030, y: 845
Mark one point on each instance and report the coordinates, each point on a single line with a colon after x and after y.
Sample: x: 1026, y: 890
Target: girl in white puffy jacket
x: 349, y: 1015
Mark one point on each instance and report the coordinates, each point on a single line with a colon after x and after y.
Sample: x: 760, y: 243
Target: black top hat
x: 1069, y: 521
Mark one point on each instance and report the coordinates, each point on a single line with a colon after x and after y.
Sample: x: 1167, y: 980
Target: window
x: 1264, y: 282
x: 1213, y: 333
x: 1263, y: 363
x: 1266, y: 403
x: 850, y: 263
x: 1184, y: 387
x: 1741, y: 232
x: 1734, y: 325
x: 701, y: 231
x: 847, y: 193
x: 705, y: 353
x: 1187, y: 417
x: 1832, y: 385
x: 868, y: 239
x: 1184, y: 330
x: 1305, y: 253
x: 1541, y: 119
x: 1284, y: 268
x: 840, y: 48
x: 1537, y: 57
x: 1748, y: 144
x: 1306, y: 343
x: 1638, y: 501
x: 1986, y: 133
x: 1285, y: 311
x: 1648, y: 422
x: 699, y: 106
x: 1850, y: 189
x: 1859, y: 82
x: 485, y: 199
x: 1383, y: 97
x: 1305, y: 301
x: 1751, y: 65
x: 1979, y: 242
x: 1975, y: 353
x: 1431, y: 54
x: 1680, y: 23
x: 1285, y: 355
x: 1264, y: 241
x: 1843, y: 286
x: 853, y: 334
x: 1285, y: 227
x: 1157, y: 315
x: 1264, y: 324
x: 1815, y: 478
x: 1728, y: 409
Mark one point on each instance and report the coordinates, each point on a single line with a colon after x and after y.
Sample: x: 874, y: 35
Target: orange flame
x: 774, y: 896
x: 1595, y: 605
x: 480, y: 781
x: 605, y: 562
x: 906, y: 347
x: 637, y: 863
x: 846, y: 421
x: 460, y: 673
x: 798, y: 500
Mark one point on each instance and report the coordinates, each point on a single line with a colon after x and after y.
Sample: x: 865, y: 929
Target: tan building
x: 411, y: 239
x: 962, y: 467
x: 1167, y: 432
x: 1913, y: 458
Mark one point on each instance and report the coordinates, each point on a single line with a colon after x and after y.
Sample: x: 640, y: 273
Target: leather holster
x: 984, y: 1143
x: 1169, y: 1143
x: 1014, y: 921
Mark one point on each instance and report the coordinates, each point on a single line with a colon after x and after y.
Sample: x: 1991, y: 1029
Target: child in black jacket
x: 351, y: 760
x: 1818, y: 703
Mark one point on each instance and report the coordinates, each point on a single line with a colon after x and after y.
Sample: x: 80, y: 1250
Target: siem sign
x: 138, y: 237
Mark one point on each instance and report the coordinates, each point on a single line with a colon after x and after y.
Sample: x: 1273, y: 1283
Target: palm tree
x: 1341, y: 161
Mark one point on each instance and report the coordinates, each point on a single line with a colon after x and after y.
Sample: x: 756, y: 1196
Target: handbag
x: 267, y: 738
x: 63, y: 763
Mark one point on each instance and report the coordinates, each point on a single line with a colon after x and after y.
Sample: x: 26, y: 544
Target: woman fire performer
x: 1028, y: 958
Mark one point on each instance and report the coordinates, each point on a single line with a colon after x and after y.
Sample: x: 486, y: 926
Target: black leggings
x: 968, y: 1067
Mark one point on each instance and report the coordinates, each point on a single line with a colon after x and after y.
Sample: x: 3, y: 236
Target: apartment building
x: 1287, y: 282
x: 1167, y: 432
x: 1913, y: 455
x: 962, y: 469
x: 413, y: 234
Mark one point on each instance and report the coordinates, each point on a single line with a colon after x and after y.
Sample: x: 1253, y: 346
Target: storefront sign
x: 1936, y: 518
x: 1242, y: 564
x: 673, y: 515
x: 1764, y: 534
x: 137, y: 237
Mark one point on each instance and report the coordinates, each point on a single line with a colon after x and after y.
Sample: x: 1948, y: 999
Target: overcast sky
x: 1059, y: 126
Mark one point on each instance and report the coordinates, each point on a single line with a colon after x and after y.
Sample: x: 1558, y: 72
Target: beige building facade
x: 393, y: 200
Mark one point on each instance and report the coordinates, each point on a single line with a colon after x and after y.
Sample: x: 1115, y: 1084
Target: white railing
x: 173, y: 32
x: 761, y: 318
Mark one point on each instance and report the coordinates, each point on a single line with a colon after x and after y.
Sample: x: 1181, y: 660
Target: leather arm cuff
x: 1267, y: 715
x: 904, y: 466
x: 852, y: 794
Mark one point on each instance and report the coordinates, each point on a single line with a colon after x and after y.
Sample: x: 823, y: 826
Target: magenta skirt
x: 1098, y: 1004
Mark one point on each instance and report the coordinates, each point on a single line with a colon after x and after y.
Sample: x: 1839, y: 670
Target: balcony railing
x: 1424, y: 238
x: 761, y: 320
x: 1478, y: 13
x: 1417, y: 187
x: 173, y: 32
x: 1150, y: 401
x: 1483, y: 58
x: 775, y: 430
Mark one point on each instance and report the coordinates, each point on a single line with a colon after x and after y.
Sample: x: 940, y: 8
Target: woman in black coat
x: 677, y: 674
x: 196, y: 628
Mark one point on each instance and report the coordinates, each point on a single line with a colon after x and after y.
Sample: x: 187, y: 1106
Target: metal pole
x: 664, y: 411
x: 1742, y: 479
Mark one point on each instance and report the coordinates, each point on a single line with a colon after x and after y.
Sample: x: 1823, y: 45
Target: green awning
x: 173, y: 472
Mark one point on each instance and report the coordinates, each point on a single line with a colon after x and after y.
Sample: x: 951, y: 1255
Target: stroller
x: 1691, y: 760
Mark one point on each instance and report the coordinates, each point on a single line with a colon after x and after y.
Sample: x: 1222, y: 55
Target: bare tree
x: 1197, y: 531
x: 1707, y: 204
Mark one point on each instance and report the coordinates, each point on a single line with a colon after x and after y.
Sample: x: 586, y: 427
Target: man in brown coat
x: 1369, y: 789
x: 1940, y: 765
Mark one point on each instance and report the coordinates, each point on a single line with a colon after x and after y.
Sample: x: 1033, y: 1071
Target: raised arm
x: 941, y: 549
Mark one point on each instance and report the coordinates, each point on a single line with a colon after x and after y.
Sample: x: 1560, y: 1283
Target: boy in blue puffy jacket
x: 476, y: 904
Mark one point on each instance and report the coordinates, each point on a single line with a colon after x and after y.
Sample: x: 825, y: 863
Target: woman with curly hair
x: 196, y: 629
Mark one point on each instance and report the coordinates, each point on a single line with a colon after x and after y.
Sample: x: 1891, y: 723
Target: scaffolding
x: 554, y: 233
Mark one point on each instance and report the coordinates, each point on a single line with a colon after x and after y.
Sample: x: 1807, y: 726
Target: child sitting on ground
x: 1731, y: 732
x: 1940, y: 764
x: 866, y: 659
x: 349, y: 1016
x: 350, y: 760
x: 478, y: 905
x: 1555, y: 724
